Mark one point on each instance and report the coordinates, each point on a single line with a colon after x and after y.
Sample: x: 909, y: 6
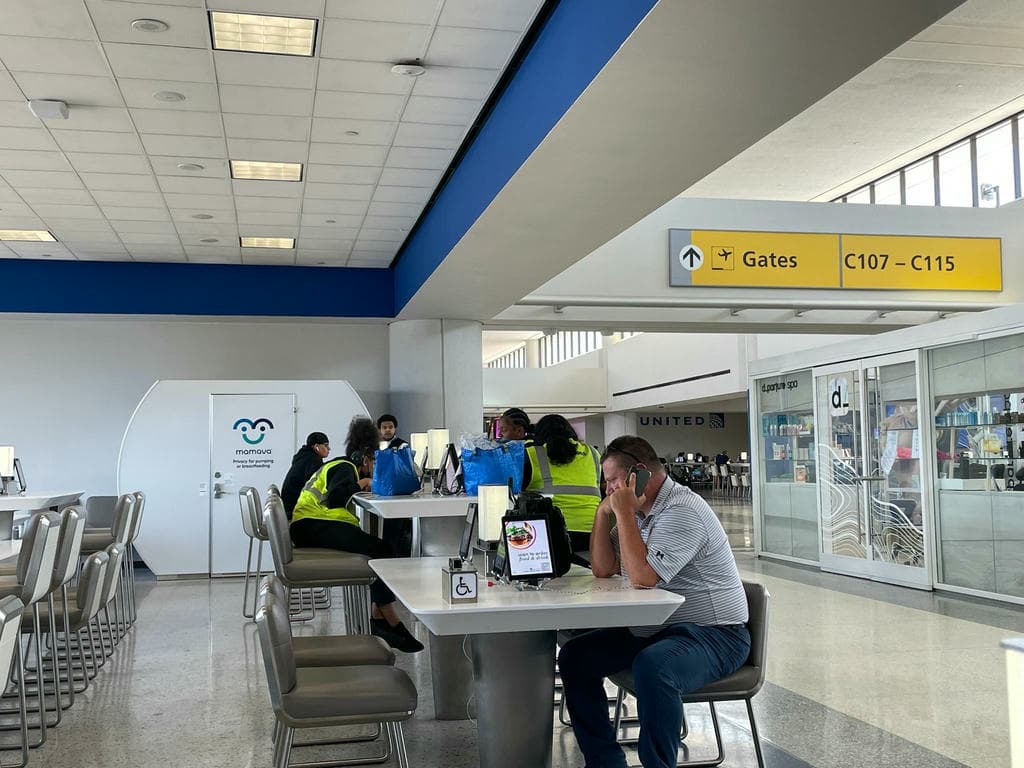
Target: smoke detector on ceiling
x: 409, y: 68
x: 48, y: 109
x: 150, y: 25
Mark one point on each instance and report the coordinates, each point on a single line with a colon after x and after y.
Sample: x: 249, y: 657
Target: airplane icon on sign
x: 722, y: 257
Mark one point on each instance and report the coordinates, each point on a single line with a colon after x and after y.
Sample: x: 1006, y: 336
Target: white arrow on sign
x: 691, y: 257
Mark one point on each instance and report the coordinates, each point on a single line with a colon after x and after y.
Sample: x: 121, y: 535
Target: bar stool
x: 301, y: 600
x: 745, y: 482
x: 11, y: 611
x: 325, y: 697
x: 320, y: 568
x: 248, y: 502
x: 108, y: 594
x: 31, y: 584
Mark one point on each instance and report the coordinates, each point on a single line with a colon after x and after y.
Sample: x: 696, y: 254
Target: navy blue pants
x: 682, y: 658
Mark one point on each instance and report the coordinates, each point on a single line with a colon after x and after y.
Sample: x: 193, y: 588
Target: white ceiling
x: 958, y: 75
x: 106, y: 181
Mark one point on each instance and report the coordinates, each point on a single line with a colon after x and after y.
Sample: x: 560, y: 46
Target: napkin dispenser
x: 458, y: 582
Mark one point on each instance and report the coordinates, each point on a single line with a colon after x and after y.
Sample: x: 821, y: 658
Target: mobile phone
x: 642, y: 476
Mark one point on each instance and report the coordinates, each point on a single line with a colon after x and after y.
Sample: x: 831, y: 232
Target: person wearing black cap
x: 307, y: 460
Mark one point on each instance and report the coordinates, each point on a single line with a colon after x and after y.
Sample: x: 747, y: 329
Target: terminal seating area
x: 67, y: 600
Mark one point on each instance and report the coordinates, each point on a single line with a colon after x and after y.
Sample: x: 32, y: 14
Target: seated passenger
x: 671, y: 539
x: 321, y: 519
x: 515, y: 425
x: 307, y: 460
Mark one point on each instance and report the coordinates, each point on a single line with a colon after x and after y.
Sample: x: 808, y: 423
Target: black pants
x: 397, y: 534
x: 346, y: 537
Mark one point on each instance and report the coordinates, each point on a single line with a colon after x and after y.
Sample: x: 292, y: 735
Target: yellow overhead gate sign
x: 804, y: 260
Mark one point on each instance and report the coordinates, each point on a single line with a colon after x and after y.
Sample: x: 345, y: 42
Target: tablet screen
x: 528, y: 548
x: 467, y: 531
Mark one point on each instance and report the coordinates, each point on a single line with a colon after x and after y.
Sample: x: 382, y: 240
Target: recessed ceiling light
x: 409, y: 69
x: 169, y: 96
x: 267, y: 242
x: 203, y: 216
x: 209, y: 240
x: 262, y: 34
x: 255, y: 169
x: 190, y: 167
x: 150, y: 25
x: 351, y: 133
x: 28, y: 235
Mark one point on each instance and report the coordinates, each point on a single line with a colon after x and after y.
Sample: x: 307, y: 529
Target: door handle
x: 869, y: 479
x: 218, y: 491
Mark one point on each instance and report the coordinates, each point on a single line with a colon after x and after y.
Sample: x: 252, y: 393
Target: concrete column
x: 618, y: 424
x: 436, y: 375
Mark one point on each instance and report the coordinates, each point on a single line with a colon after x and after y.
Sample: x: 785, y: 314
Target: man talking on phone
x: 659, y: 534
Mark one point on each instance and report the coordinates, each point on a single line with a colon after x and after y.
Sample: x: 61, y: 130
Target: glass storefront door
x: 870, y: 463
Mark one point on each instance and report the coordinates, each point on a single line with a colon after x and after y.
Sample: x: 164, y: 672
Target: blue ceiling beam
x: 578, y: 39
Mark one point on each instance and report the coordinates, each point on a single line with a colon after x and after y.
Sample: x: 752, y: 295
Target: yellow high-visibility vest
x: 314, y: 492
x: 575, y: 486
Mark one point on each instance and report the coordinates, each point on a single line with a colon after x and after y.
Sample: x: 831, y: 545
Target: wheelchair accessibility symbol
x: 462, y: 589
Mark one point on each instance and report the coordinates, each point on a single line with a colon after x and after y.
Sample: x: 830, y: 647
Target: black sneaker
x: 397, y: 636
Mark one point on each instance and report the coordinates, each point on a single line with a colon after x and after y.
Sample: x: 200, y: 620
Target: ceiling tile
x: 481, y: 48
x: 47, y: 18
x: 35, y: 138
x: 367, y: 264
x: 268, y: 259
x: 188, y: 215
x: 83, y: 228
x: 120, y: 181
x: 407, y: 177
x: 91, y: 162
x: 200, y: 97
x: 326, y: 129
x: 342, y: 222
x: 204, y: 202
x: 304, y: 9
x: 297, y: 102
x: 32, y: 178
x: 145, y: 238
x: 214, y: 168
x: 188, y: 27
x: 93, y: 241
x: 339, y: 191
x: 195, y: 146
x: 395, y: 209
x: 342, y: 174
x: 99, y: 142
x: 361, y: 77
x: 515, y: 15
x: 199, y: 186
x: 88, y: 118
x: 456, y: 83
x: 86, y: 255
x: 154, y: 62
x: 383, y: 235
x: 210, y: 241
x: 68, y: 211
x: 171, y: 121
x: 34, y: 196
x: 16, y: 114
x: 329, y: 245
x: 8, y: 88
x: 53, y: 56
x: 267, y: 217
x: 131, y: 213
x: 239, y: 68
x: 376, y: 246
x: 410, y: 11
x: 267, y: 188
x: 418, y: 157
x: 206, y: 255
x: 272, y: 204
x: 347, y: 154
x: 29, y: 160
x: 19, y: 209
x: 373, y: 40
x: 271, y: 151
x: 402, y: 194
x: 128, y: 228
x: 41, y: 250
x: 75, y: 90
x: 382, y: 257
x: 361, y: 106
x: 267, y: 127
x: 319, y: 259
x: 433, y: 109
x: 328, y: 207
x: 207, y: 228
x: 129, y: 199
x: 25, y: 222
x: 150, y: 251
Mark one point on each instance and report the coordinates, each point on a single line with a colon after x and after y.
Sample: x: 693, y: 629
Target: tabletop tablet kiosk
x: 466, y: 545
x: 528, y: 549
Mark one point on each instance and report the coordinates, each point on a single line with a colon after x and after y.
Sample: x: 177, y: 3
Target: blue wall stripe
x: 152, y: 288
x: 579, y: 38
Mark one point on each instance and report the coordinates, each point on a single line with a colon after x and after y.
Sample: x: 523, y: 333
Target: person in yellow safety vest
x: 321, y: 519
x: 559, y: 464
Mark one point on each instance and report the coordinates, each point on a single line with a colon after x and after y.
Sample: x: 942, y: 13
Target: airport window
x: 514, y: 359
x: 982, y: 170
x: 560, y: 346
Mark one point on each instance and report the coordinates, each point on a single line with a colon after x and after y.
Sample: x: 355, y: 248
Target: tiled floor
x: 859, y: 675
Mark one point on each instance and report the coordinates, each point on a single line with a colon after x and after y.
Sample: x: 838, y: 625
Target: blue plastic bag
x: 394, y: 473
x: 493, y: 466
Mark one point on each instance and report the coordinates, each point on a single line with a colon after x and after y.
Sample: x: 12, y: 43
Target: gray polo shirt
x: 688, y: 549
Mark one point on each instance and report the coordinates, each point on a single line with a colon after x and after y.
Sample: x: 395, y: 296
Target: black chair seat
x: 341, y: 651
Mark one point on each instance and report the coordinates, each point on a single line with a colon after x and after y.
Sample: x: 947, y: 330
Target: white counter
x: 416, y: 505
x: 575, y: 601
x: 36, y: 501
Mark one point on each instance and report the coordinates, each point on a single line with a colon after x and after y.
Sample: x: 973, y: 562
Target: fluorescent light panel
x: 256, y: 169
x: 262, y: 34
x: 27, y: 235
x: 268, y: 242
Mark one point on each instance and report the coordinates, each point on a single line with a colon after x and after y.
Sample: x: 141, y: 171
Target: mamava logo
x: 259, y: 426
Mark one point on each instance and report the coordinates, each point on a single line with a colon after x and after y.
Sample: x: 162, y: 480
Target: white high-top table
x: 513, y: 639
x: 12, y: 503
x: 437, y: 521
